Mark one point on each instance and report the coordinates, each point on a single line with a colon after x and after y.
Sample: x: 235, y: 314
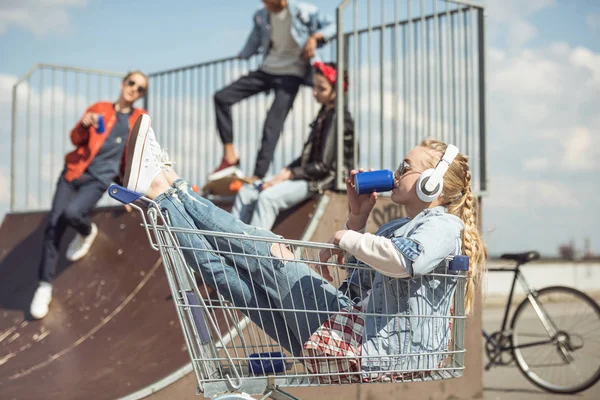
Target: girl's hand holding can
x: 360, y: 204
x: 89, y: 119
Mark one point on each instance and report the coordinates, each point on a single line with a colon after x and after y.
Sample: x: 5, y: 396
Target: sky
x: 543, y: 86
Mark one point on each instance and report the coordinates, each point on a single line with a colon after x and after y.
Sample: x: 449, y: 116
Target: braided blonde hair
x: 460, y: 201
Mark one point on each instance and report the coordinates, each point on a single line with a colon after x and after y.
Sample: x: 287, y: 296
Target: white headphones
x: 431, y: 182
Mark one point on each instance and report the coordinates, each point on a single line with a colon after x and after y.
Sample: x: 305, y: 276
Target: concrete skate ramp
x: 111, y: 327
x: 112, y: 331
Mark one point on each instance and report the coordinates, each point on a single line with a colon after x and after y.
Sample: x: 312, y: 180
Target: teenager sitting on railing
x: 313, y: 171
x: 100, y: 138
x: 287, y: 32
x: 288, y: 294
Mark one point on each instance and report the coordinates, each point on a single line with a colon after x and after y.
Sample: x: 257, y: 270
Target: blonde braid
x: 472, y: 245
x: 460, y: 201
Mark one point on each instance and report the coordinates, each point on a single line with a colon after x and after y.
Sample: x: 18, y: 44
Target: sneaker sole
x: 136, y: 142
x: 223, y: 173
x: 90, y: 240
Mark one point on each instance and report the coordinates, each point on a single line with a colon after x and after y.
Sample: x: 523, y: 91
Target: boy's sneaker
x: 80, y: 245
x: 41, y: 300
x: 145, y: 158
x: 226, y: 169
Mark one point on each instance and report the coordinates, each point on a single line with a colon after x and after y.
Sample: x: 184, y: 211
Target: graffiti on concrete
x: 385, y: 214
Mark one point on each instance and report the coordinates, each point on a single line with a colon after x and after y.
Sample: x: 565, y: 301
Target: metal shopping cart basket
x: 247, y: 348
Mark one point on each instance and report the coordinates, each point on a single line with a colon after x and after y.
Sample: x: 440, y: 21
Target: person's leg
x: 246, y: 86
x: 286, y: 88
x: 293, y: 289
x: 289, y: 285
x: 245, y: 200
x: 275, y: 199
x: 89, y: 192
x: 234, y: 284
x: 55, y: 229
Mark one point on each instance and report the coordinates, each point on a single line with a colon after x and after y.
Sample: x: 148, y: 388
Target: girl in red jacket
x: 100, y: 138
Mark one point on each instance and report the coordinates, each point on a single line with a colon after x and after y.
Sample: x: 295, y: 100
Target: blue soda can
x: 100, y: 127
x: 264, y: 363
x: 374, y: 181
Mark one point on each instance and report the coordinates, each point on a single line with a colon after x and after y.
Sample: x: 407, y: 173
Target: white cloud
x: 508, y: 20
x: 581, y: 150
x: 520, y: 33
x: 541, y: 94
x: 51, y: 16
x: 542, y: 133
x: 507, y: 11
x: 536, y: 164
x: 6, y: 84
x: 588, y: 62
x: 518, y: 193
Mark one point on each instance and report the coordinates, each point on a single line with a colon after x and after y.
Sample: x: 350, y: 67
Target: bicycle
x: 562, y: 338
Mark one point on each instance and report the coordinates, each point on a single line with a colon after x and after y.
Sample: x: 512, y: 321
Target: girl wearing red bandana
x: 258, y: 204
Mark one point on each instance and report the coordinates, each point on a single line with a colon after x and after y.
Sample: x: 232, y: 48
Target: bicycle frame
x: 531, y: 295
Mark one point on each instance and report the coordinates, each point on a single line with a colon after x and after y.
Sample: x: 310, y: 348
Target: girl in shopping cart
x: 359, y: 329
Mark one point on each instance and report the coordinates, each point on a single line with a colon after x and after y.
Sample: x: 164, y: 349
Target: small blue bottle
x: 374, y: 181
x: 100, y: 127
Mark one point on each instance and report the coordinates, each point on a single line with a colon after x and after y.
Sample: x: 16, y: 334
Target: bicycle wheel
x: 566, y: 360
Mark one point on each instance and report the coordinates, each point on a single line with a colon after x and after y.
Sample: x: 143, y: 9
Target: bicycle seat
x: 522, y: 258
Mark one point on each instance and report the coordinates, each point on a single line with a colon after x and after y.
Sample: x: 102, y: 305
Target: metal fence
x: 420, y: 75
x: 416, y: 70
x: 47, y: 102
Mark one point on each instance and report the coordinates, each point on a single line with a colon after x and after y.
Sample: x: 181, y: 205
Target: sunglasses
x: 140, y: 89
x: 403, y: 169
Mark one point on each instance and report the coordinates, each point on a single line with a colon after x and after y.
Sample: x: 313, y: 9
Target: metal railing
x: 428, y: 79
x: 47, y: 102
x: 419, y: 71
x: 182, y: 108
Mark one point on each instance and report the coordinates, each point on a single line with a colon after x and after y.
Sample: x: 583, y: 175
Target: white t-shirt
x: 285, y: 56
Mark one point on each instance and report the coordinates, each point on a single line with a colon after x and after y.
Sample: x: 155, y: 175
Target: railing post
x: 340, y: 97
x: 13, y: 147
x: 482, y: 101
x: 146, y: 97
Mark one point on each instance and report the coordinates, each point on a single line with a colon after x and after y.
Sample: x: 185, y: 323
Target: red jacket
x: 88, y: 141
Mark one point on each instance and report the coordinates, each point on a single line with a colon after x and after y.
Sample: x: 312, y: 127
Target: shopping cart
x: 232, y: 355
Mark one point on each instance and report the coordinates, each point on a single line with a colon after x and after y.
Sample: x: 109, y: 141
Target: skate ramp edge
x: 112, y: 327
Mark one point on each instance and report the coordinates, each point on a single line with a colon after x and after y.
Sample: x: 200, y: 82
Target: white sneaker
x: 145, y: 158
x: 41, y: 300
x: 80, y: 245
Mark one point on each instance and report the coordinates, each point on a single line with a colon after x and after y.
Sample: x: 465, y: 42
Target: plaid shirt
x: 333, y: 352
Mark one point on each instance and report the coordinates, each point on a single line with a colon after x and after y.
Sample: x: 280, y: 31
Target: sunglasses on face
x: 403, y: 169
x: 140, y: 89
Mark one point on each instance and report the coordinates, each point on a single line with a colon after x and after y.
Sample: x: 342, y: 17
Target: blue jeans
x: 71, y: 206
x: 260, y: 209
x: 244, y: 279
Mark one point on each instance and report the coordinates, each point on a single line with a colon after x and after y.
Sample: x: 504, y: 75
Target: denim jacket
x: 306, y: 20
x: 393, y: 329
